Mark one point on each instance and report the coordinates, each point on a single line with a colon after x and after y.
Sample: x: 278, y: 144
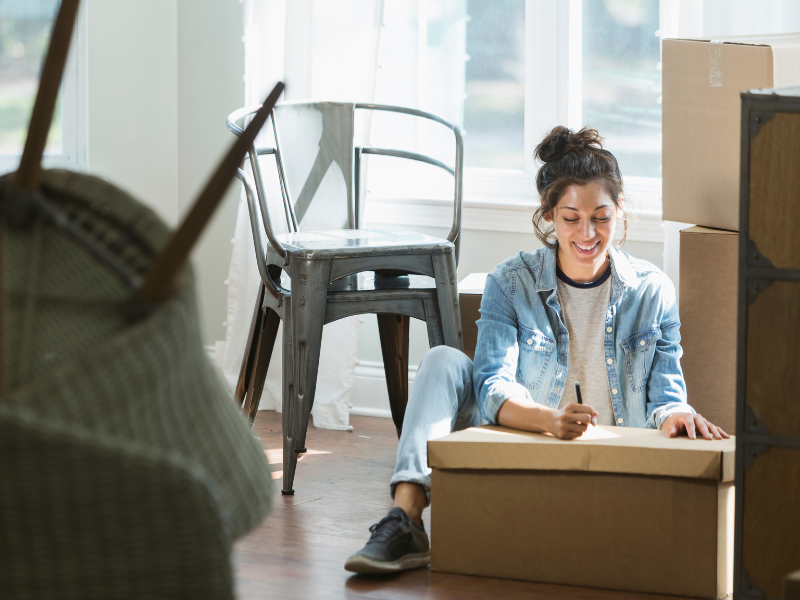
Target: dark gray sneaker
x: 396, y: 544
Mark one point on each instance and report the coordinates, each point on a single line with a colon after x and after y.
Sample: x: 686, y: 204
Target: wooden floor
x: 341, y: 486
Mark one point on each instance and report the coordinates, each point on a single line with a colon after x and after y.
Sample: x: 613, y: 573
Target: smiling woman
x: 578, y: 310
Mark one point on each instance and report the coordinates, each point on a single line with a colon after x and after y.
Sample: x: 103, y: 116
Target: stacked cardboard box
x: 702, y: 80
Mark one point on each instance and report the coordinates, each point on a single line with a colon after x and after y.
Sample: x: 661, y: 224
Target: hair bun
x: 562, y: 141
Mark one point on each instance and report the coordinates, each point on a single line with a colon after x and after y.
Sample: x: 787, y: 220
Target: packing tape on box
x: 715, y: 63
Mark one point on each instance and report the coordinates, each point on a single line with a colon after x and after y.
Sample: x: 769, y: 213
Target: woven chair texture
x: 125, y: 469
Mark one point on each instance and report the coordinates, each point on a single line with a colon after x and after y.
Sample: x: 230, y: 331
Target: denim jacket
x: 523, y: 343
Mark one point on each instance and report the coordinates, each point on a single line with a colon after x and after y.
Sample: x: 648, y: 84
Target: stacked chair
x: 335, y: 266
x: 127, y: 472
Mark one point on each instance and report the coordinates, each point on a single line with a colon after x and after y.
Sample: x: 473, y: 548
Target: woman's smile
x: 587, y: 249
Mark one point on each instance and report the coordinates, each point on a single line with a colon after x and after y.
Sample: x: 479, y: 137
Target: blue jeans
x: 441, y: 401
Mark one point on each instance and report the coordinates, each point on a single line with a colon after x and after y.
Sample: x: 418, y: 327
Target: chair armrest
x: 274, y: 290
x: 454, y: 235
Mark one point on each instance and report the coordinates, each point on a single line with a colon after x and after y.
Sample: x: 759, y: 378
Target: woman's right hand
x: 572, y: 421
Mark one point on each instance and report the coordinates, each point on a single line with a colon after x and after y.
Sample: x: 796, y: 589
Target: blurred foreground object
x: 127, y: 472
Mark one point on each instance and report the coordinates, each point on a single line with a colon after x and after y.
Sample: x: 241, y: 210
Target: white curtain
x: 319, y: 30
x: 719, y: 18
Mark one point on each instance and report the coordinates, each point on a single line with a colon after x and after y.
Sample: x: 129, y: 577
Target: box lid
x: 600, y: 450
x: 699, y: 230
x: 775, y: 40
x: 472, y: 283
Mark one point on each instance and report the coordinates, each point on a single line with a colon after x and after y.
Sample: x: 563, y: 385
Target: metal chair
x: 336, y: 268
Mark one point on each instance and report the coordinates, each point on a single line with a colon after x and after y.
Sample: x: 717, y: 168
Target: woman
x: 577, y: 310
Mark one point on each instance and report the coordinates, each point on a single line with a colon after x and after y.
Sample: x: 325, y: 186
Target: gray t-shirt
x: 584, y: 311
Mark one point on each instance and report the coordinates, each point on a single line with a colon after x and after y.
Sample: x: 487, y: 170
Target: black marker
x: 578, y: 392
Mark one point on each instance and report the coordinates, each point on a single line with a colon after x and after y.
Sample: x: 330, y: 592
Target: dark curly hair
x: 573, y: 158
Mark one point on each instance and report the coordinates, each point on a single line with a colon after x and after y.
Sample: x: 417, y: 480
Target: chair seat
x: 352, y: 243
x: 369, y: 281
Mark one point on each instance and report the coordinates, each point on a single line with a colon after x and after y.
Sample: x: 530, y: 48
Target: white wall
x: 210, y: 86
x: 162, y: 75
x: 132, y: 97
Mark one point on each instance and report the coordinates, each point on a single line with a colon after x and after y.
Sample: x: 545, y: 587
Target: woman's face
x: 585, y: 220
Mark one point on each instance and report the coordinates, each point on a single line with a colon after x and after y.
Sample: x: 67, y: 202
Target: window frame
x: 74, y: 146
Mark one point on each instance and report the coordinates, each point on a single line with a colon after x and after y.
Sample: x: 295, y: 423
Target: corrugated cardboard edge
x: 725, y: 526
x: 637, y: 452
x: 775, y: 40
x: 699, y: 229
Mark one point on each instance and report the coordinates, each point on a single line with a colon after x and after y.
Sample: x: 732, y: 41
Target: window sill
x: 497, y: 200
x: 485, y: 216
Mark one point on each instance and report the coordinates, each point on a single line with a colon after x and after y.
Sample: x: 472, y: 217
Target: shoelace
x: 385, y: 528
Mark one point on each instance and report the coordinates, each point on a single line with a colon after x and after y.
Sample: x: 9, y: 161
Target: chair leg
x: 444, y: 269
x: 250, y: 351
x: 308, y: 317
x: 266, y: 344
x: 393, y: 331
x: 288, y: 403
x: 433, y: 323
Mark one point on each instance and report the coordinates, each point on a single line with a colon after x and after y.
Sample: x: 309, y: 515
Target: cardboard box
x: 620, y: 508
x: 470, y: 293
x: 702, y: 123
x: 709, y: 280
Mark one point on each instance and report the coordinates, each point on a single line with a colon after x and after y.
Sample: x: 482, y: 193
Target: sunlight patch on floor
x: 275, y: 457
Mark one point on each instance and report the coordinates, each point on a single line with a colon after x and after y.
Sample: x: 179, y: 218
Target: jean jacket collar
x: 621, y: 271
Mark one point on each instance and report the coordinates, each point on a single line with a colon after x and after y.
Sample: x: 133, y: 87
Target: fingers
x: 570, y: 430
x: 713, y: 430
x: 717, y: 432
x: 702, y: 427
x: 588, y: 412
x: 688, y: 423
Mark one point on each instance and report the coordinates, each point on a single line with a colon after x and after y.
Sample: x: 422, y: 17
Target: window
x: 24, y: 36
x: 506, y: 71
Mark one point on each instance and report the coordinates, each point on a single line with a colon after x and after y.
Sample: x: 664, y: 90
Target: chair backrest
x: 318, y: 170
x: 315, y: 143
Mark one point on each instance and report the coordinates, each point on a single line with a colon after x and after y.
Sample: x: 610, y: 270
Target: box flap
x: 706, y: 230
x: 600, y: 450
x: 773, y: 40
x: 472, y: 283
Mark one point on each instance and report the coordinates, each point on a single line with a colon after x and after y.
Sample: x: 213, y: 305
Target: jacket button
x: 641, y: 343
x: 530, y: 342
x: 620, y: 421
x: 614, y: 391
x: 609, y: 330
x: 610, y: 361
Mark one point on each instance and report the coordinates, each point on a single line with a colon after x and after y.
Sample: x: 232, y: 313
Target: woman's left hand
x: 690, y: 423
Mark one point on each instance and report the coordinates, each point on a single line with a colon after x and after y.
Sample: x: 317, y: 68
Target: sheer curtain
x: 330, y: 53
x: 718, y: 18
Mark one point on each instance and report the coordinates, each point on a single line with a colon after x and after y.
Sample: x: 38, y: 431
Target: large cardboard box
x: 709, y: 281
x: 701, y: 107
x: 619, y: 508
x: 470, y: 294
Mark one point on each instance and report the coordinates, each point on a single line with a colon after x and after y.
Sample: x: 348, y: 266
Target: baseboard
x: 369, y: 397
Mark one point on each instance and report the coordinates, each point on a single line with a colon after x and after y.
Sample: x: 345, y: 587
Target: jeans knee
x: 447, y: 359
